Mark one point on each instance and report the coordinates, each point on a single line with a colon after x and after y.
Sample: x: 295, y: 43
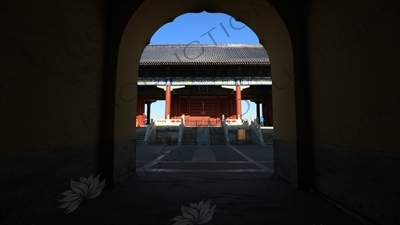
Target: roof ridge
x: 228, y: 53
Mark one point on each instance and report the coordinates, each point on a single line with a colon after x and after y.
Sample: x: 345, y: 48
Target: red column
x: 238, y: 101
x: 167, y: 101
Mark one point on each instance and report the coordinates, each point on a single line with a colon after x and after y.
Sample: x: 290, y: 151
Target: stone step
x: 217, y: 136
x: 189, y: 135
x: 203, y: 136
x: 140, y: 135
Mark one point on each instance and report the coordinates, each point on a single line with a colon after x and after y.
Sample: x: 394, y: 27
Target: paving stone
x: 236, y: 204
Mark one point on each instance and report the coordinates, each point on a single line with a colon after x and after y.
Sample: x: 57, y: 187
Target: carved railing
x: 150, y: 136
x: 256, y: 133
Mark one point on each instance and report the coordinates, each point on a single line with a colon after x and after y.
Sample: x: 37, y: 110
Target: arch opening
x: 261, y: 17
x: 221, y: 84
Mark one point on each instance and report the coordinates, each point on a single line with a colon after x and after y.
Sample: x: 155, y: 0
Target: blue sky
x: 204, y: 28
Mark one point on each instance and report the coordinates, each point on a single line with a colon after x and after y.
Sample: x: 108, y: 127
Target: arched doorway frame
x: 258, y: 15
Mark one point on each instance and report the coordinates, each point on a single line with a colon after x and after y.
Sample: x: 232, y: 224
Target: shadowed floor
x: 238, y: 179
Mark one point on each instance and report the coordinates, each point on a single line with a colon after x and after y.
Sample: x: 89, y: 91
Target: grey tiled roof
x: 205, y: 54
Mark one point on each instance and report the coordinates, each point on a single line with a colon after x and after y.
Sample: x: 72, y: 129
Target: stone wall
x: 285, y: 160
x: 124, y: 160
x: 31, y: 182
x: 366, y: 182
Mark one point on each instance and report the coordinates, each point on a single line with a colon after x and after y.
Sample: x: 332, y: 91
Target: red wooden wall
x: 214, y: 106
